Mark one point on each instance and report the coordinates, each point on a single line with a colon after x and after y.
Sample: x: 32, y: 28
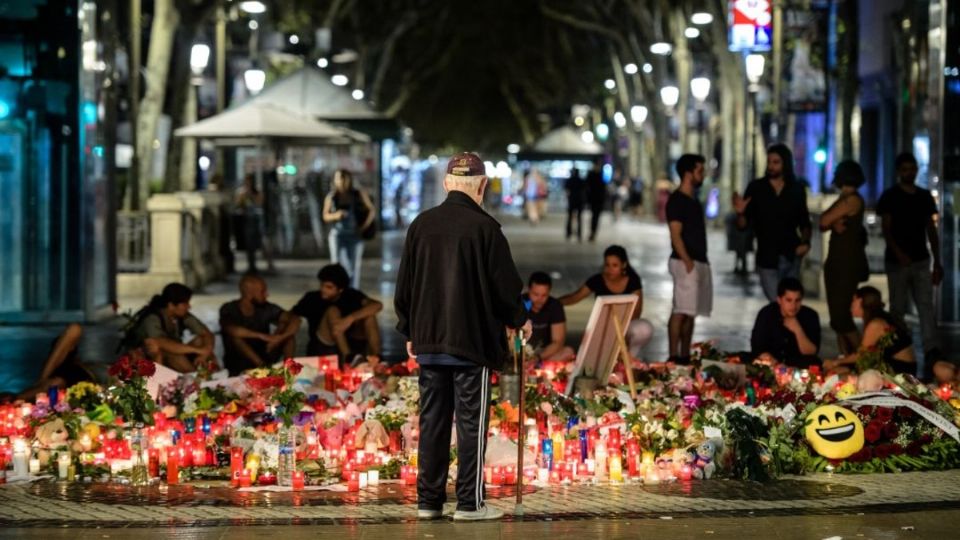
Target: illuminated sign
x: 751, y: 25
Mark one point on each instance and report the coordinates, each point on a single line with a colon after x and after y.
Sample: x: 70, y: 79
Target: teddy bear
x: 705, y: 457
x: 50, y: 437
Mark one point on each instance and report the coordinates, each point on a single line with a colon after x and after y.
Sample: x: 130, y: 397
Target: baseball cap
x: 466, y: 164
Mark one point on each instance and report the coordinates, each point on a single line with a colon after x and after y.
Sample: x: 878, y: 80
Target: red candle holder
x: 173, y: 469
x: 245, y: 478
x: 353, y: 483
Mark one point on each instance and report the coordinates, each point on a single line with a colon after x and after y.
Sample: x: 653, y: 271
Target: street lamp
x: 619, y: 119
x: 754, y: 65
x: 701, y: 18
x: 253, y: 7
x: 661, y: 47
x: 670, y: 95
x: 638, y: 113
x: 630, y: 69
x: 339, y: 80
x: 357, y: 94
x: 254, y: 79
x: 199, y: 58
x: 700, y: 88
x: 691, y: 33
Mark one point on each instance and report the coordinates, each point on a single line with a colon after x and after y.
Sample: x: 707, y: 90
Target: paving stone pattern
x: 60, y: 505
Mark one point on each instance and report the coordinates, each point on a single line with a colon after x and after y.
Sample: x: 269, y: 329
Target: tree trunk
x: 683, y: 67
x: 162, y: 31
x: 847, y: 73
x: 179, y: 111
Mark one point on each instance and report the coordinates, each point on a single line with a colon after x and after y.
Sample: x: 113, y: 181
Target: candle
x: 686, y: 472
x: 633, y: 457
x: 616, y: 469
x: 63, y: 466
x: 21, y: 457
x: 246, y: 477
x: 153, y: 462
x: 548, y: 453
x: 373, y: 477
x: 267, y: 479
x: 353, y: 483
x: 653, y: 477
x: 236, y: 464
x: 71, y: 472
x: 34, y: 466
x: 496, y: 476
x: 510, y: 475
x: 584, y: 445
x: 945, y: 392
x: 297, y: 481
x: 362, y: 478
x: 173, y: 468
x: 543, y: 475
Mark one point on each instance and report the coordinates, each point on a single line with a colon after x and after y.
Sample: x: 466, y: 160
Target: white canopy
x: 255, y: 121
x: 309, y: 92
x: 565, y: 141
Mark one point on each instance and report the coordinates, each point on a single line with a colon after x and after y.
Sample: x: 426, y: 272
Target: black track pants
x: 443, y: 391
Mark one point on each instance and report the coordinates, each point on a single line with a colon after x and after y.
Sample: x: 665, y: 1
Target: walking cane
x: 518, y: 344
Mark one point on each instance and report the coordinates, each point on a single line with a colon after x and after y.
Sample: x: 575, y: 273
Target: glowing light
x: 701, y: 18
x: 630, y: 69
x: 661, y: 47
x: 357, y: 94
x: 513, y: 148
x: 603, y: 131
x: 691, y: 33
x: 340, y: 80
x: 253, y: 7
x: 609, y: 84
x: 587, y: 137
x: 638, y: 113
x: 648, y: 68
x: 322, y: 63
x: 619, y: 119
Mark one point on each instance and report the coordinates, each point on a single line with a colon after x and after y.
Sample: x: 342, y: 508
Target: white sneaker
x: 485, y: 513
x: 429, y: 514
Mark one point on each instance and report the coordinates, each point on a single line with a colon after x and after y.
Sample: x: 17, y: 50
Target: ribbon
x: 881, y: 399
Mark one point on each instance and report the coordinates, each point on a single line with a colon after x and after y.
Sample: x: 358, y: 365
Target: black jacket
x: 457, y: 287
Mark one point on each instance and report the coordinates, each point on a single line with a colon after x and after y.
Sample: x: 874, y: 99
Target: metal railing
x: 133, y: 241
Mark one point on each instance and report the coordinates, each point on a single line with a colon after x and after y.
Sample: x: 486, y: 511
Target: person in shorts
x: 689, y: 266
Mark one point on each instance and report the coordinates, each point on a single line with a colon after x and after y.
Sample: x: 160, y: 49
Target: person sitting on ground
x: 245, y: 325
x: 618, y: 277
x: 341, y: 319
x: 159, y: 329
x: 62, y: 367
x: 549, y: 321
x: 898, y: 354
x: 786, y: 330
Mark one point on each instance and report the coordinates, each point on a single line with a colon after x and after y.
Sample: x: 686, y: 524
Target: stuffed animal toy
x: 51, y: 437
x: 870, y: 380
x: 372, y: 436
x: 705, y: 457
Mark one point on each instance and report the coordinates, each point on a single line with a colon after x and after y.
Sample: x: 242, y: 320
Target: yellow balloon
x: 834, y: 432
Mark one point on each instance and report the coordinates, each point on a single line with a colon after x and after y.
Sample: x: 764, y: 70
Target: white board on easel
x: 597, y: 354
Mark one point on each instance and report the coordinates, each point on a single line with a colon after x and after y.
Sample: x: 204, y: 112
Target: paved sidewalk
x: 54, y: 505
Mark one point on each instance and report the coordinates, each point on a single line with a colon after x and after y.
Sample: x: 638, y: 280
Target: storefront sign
x: 751, y: 25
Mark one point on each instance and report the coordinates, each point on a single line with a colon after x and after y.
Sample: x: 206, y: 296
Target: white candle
x: 543, y: 475
x: 20, y: 458
x: 63, y: 466
x: 363, y: 480
x: 373, y: 477
x: 34, y: 466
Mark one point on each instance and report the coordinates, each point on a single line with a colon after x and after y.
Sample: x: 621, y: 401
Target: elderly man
x: 248, y: 341
x: 457, y: 291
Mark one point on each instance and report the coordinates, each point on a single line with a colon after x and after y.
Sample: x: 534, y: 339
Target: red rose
x: 292, y: 366
x: 872, y: 432
x: 884, y: 413
x: 147, y: 368
x: 864, y: 454
x: 906, y: 413
x: 891, y: 430
x: 915, y: 448
x: 882, y: 451
x: 926, y: 438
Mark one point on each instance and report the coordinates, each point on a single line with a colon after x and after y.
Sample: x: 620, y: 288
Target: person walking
x: 352, y: 213
x: 596, y: 196
x: 574, y: 188
x: 846, y: 265
x: 909, y: 217
x: 775, y: 207
x: 689, y: 266
x: 248, y: 203
x: 457, y: 292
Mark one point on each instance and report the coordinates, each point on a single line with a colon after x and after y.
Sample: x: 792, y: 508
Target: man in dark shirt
x: 341, y: 320
x: 689, y: 267
x: 775, y: 206
x: 457, y: 292
x: 909, y: 216
x: 786, y: 330
x: 574, y: 188
x: 245, y: 324
x: 548, y: 319
x: 596, y: 196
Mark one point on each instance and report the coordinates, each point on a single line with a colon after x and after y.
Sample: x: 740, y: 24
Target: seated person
x: 159, y: 327
x: 786, y: 330
x: 341, y: 319
x: 245, y: 325
x: 868, y: 306
x: 618, y: 277
x: 62, y: 367
x: 548, y: 320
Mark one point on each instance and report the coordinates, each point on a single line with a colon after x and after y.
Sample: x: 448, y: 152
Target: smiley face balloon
x: 834, y: 432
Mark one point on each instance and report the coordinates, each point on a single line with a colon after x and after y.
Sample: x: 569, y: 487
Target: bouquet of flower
x: 129, y: 397
x: 85, y: 395
x: 175, y: 392
x: 288, y: 400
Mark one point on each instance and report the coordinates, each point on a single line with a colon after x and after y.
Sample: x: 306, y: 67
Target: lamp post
x: 700, y: 88
x: 670, y: 95
x: 754, y: 67
x: 254, y: 79
x: 199, y: 60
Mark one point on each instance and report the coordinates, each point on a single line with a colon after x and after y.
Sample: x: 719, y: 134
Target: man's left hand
x: 937, y: 275
x: 802, y: 250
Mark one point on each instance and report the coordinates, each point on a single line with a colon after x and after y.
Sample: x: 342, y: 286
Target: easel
x: 624, y: 352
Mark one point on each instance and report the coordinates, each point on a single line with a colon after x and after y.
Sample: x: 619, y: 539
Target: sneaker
x: 426, y: 513
x: 483, y: 514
